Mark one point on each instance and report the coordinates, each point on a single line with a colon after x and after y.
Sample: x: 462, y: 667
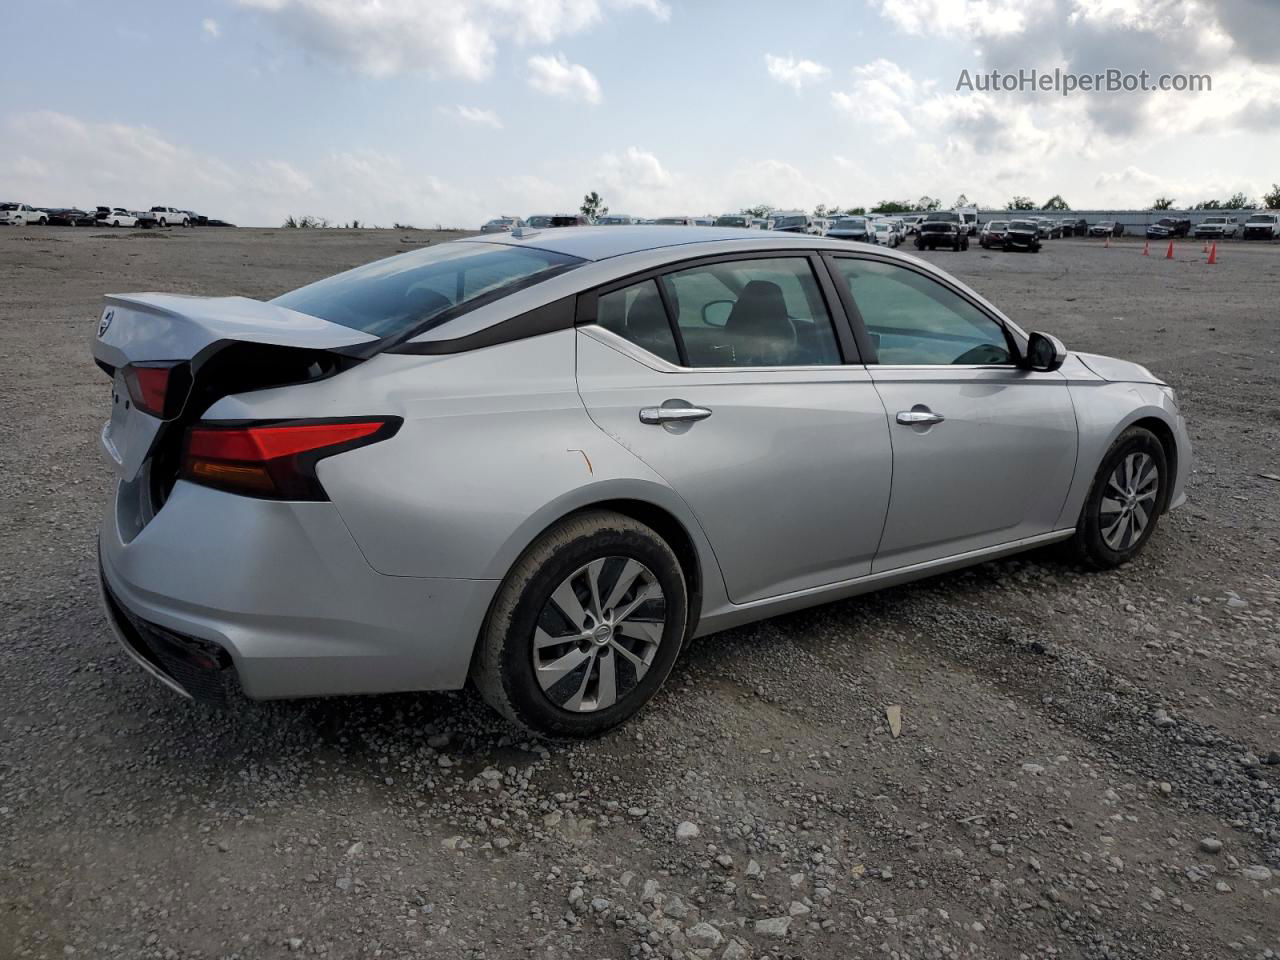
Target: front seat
x: 758, y: 327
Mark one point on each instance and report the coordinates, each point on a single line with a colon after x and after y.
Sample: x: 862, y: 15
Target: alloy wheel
x: 1129, y: 501
x: 598, y: 634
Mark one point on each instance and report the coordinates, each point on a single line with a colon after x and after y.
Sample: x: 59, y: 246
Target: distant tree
x: 961, y: 201
x: 760, y: 210
x: 893, y: 206
x: 856, y: 211
x: 1207, y: 205
x: 1272, y: 199
x: 1056, y: 203
x: 1238, y: 201
x: 306, y: 223
x: 403, y: 226
x: 593, y: 206
x: 1163, y: 203
x: 1020, y: 203
x: 821, y: 210
x: 928, y: 203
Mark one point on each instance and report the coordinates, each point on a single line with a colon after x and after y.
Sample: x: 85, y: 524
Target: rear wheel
x: 1124, y: 503
x: 585, y: 628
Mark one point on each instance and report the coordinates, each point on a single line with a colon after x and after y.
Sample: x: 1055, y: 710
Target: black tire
x: 964, y: 245
x: 1089, y: 543
x: 919, y: 244
x: 503, y: 667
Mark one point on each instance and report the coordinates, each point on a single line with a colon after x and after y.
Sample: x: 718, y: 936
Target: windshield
x: 1262, y: 218
x: 395, y: 295
x: 783, y: 222
x: 539, y: 221
x: 849, y: 223
x: 672, y: 221
x: 943, y: 218
x: 1215, y: 219
x: 997, y: 225
x: 731, y: 221
x: 1022, y: 225
x: 8, y: 206
x: 1107, y: 223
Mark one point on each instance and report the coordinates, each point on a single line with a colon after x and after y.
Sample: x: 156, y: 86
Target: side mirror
x: 716, y: 313
x: 1044, y: 353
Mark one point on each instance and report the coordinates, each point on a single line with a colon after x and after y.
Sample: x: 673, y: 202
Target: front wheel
x: 585, y: 628
x: 1124, y: 504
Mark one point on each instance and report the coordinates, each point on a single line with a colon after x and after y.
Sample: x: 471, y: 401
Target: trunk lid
x: 171, y: 328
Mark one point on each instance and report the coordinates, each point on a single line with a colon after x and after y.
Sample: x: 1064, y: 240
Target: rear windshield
x: 396, y: 295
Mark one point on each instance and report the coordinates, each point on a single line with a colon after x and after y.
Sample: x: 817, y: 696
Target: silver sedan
x: 543, y: 461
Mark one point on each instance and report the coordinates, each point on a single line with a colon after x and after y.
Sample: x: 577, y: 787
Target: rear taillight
x: 277, y: 460
x: 158, y: 389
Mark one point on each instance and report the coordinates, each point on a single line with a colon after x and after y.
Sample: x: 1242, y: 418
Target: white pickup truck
x: 17, y: 214
x: 1216, y: 228
x: 171, y: 217
x: 1262, y: 226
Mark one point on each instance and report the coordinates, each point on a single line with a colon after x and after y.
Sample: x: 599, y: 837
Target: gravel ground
x: 1087, y: 764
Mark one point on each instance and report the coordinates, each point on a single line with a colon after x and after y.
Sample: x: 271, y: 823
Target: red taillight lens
x: 158, y: 389
x: 275, y: 460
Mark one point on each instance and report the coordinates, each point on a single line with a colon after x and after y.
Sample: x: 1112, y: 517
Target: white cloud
x: 558, y: 77
x: 794, y: 73
x: 479, y: 116
x: 964, y: 19
x: 448, y: 37
x: 883, y: 94
x: 657, y: 8
x: 211, y: 28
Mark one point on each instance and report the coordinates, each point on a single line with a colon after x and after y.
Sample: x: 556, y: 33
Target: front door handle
x: 673, y: 414
x: 919, y: 417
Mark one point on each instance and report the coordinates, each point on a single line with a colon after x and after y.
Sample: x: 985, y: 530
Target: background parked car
x: 1262, y: 226
x: 64, y: 216
x: 886, y: 233
x: 1022, y: 235
x: 17, y: 214
x: 120, y: 217
x: 992, y: 234
x: 540, y: 221
x: 501, y: 225
x: 795, y: 221
x: 674, y: 221
x: 170, y: 217
x: 852, y: 228
x: 616, y: 220
x: 1106, y: 228
x: 1167, y: 227
x: 942, y: 229
x: 91, y: 218
x: 1216, y: 228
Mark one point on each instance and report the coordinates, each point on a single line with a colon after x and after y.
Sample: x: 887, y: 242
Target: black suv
x: 1167, y: 227
x: 942, y: 230
x: 1022, y: 235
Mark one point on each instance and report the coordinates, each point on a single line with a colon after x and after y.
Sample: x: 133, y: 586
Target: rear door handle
x: 913, y: 418
x: 673, y: 414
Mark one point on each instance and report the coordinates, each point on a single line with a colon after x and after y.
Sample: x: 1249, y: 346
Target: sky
x: 449, y: 112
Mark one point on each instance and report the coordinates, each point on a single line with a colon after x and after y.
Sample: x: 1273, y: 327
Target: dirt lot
x: 1087, y: 767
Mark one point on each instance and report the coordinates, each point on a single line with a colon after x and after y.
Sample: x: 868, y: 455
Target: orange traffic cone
x: 1169, y: 255
x: 1146, y: 249
x: 1213, y: 253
